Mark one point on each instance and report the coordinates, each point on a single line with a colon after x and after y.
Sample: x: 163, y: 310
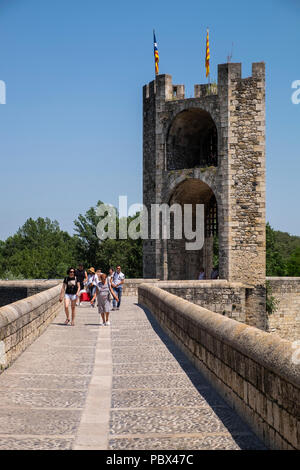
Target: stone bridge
x: 167, y: 373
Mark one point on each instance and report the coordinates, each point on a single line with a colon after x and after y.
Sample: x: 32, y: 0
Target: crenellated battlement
x: 163, y: 88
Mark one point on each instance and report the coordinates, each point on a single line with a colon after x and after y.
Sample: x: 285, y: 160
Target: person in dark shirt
x: 70, y: 291
x: 82, y: 277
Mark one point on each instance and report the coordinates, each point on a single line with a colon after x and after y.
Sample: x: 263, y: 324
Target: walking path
x: 124, y: 386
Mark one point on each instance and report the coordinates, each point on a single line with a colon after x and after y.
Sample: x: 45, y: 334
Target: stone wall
x: 130, y: 286
x: 219, y: 296
x: 12, y: 291
x: 255, y: 372
x: 23, y: 321
x: 236, y: 300
x: 246, y: 172
x: 285, y: 321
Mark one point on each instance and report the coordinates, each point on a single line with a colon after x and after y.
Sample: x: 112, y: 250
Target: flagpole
x: 154, y: 38
x: 156, y: 55
x: 207, y: 44
x: 207, y: 61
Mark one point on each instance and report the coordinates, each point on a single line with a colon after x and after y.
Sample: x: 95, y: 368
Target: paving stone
x: 215, y: 442
x: 42, y: 395
x: 11, y: 380
x: 156, y: 391
x: 34, y: 421
x: 176, y: 420
x: 142, y: 356
x: 185, y: 397
x: 71, y: 356
x: 59, y: 367
x: 158, y: 399
x: 137, y: 342
x: 39, y: 399
x: 34, y: 443
x: 157, y: 381
x: 153, y: 368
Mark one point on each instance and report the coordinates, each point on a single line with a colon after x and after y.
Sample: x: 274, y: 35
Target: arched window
x: 192, y: 141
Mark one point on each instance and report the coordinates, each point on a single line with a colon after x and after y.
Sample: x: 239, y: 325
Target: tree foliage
x: 39, y: 250
x: 283, y: 253
x: 293, y: 263
x: 275, y: 262
x: 87, y: 241
x: 99, y: 253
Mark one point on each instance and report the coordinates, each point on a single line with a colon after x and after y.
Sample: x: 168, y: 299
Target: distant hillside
x: 286, y: 243
x: 283, y: 253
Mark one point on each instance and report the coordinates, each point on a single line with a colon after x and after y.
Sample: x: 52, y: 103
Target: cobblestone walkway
x: 126, y: 386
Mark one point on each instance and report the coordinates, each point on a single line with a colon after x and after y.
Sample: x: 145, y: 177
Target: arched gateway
x: 208, y: 150
x: 183, y: 263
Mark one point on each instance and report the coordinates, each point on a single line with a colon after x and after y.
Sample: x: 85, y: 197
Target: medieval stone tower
x: 208, y: 150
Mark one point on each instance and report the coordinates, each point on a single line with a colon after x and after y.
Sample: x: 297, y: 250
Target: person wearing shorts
x: 118, y: 279
x: 70, y: 291
x: 103, y: 293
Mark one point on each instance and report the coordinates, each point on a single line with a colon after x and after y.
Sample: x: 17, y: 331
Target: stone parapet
x: 220, y: 296
x: 255, y: 372
x: 130, y: 286
x: 23, y: 321
x: 12, y: 291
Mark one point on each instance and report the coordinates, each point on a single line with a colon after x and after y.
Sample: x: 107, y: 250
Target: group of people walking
x: 100, y: 287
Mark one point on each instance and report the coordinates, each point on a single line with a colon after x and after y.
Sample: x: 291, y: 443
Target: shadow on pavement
x: 239, y: 430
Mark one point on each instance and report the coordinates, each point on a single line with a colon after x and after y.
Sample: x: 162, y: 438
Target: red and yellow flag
x: 156, y: 55
x: 207, y: 57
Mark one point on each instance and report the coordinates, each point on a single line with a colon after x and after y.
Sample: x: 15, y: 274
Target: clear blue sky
x: 71, y: 131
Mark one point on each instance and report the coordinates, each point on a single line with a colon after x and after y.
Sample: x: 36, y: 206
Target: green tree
x: 39, y: 249
x: 87, y: 240
x: 293, y: 263
x: 94, y: 251
x: 128, y: 253
x: 276, y: 265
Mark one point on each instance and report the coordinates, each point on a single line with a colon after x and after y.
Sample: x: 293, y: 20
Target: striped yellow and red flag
x: 156, y: 55
x: 207, y: 56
